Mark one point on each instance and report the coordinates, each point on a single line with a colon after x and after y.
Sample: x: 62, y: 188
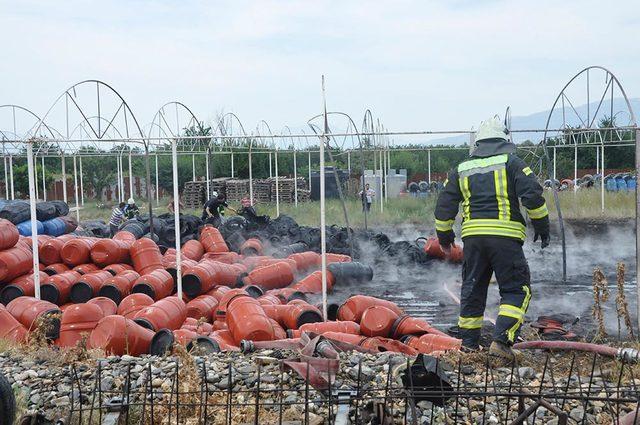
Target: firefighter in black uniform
x: 489, y: 187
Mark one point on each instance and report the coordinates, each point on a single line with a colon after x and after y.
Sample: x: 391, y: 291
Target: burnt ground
x: 590, y: 243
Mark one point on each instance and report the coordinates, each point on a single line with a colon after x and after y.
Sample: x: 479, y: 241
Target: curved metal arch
x: 160, y: 117
x: 266, y: 124
x: 81, y: 124
x: 99, y: 134
x: 52, y: 131
x: 352, y: 123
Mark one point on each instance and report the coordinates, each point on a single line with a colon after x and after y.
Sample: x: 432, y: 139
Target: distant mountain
x: 538, y: 120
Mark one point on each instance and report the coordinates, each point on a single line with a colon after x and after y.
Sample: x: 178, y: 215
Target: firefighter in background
x: 489, y: 187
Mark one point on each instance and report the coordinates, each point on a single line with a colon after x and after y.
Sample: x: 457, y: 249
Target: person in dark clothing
x: 214, y: 210
x: 131, y: 210
x: 490, y: 187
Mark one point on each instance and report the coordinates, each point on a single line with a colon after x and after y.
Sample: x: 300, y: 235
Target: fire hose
x: 630, y: 355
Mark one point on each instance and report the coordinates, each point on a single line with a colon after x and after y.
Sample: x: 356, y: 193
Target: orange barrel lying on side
x: 225, y: 340
x: 57, y: 288
x: 169, y: 264
x: 323, y: 327
x: 49, y: 252
x: 337, y: 258
x: 294, y: 314
x: 377, y: 321
x: 201, y: 328
x: 86, y: 268
x: 15, y: 262
x: 164, y: 340
x: 306, y: 261
x: 199, y: 278
x: 10, y: 328
x: 192, y: 250
x: 223, y: 257
x: 251, y: 246
x: 9, y: 234
x: 119, y: 286
x: 145, y: 256
x: 28, y: 241
x: 112, y: 251
x: 407, y: 325
x: 167, y: 313
x: 270, y: 261
x: 88, y: 286
x: 268, y: 299
x: 77, y: 251
x: 203, y: 306
x: 218, y: 292
x: 286, y: 294
x: 78, y: 320
x: 381, y: 344
x: 115, y: 269
x: 157, y: 284
x: 433, y: 249
x: 118, y: 335
x: 133, y: 303
x: 31, y: 311
x: 430, y: 343
x: 56, y: 268
x: 107, y: 305
x: 354, y: 306
x: 20, y: 286
x: 247, y: 320
x: 223, y: 304
x: 278, y: 330
x: 278, y: 275
x: 312, y: 284
x: 212, y: 240
x: 252, y: 261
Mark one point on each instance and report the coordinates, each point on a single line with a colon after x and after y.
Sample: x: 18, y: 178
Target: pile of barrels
x: 120, y: 295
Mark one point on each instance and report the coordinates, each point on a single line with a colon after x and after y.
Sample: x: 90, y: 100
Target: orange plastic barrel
x: 270, y: 261
x: 133, y: 303
x: 323, y: 327
x: 337, y: 258
x: 78, y: 320
x: 118, y: 335
x: 212, y: 240
x: 20, y: 286
x: 145, y: 256
x: 199, y: 278
x: 433, y: 249
x: 203, y: 306
x: 286, y: 294
x: 31, y: 311
x: 201, y: 328
x: 115, y: 269
x: 86, y: 268
x: 107, y: 305
x: 354, y: 306
x: 167, y: 313
x: 112, y: 251
x: 278, y: 275
x: 381, y: 344
x: 15, y: 262
x: 278, y: 331
x: 407, y: 325
x: 251, y: 246
x: 57, y: 288
x: 223, y: 304
x: 252, y: 261
x: 377, y: 321
x: 218, y: 292
x: 247, y: 320
x: 119, y: 286
x: 223, y: 257
x: 430, y: 343
x: 10, y: 328
x: 294, y: 314
x: 267, y: 299
x: 9, y: 234
x: 312, y: 284
x: 49, y: 252
x: 306, y: 260
x: 28, y: 241
x: 56, y: 268
x: 192, y: 250
x: 88, y: 286
x: 77, y: 251
x: 169, y: 264
x: 157, y: 284
x: 225, y: 340
x: 349, y: 338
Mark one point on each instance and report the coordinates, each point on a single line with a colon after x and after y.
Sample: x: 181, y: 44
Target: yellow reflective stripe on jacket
x: 470, y: 322
x: 527, y: 171
x: 444, y: 225
x: 502, y: 196
x: 539, y: 212
x: 466, y: 198
x: 493, y: 227
x: 483, y: 162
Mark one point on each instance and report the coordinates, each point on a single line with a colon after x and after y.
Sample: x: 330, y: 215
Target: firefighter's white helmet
x: 493, y: 128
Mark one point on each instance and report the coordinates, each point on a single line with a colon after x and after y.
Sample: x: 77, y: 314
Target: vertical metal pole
x: 206, y: 170
x: 34, y: 222
x: 64, y: 179
x: 6, y: 175
x: 176, y: 217
x: 386, y: 174
x: 323, y: 231
x: 381, y: 185
x: 75, y: 188
x: 554, y: 166
x: 130, y: 178
x: 193, y: 167
x: 13, y: 193
x: 637, y: 218
x: 575, y: 166
x: 309, y: 170
x: 349, y: 162
x: 277, y: 184
x: 270, y: 169
x: 429, y: 165
x: 250, y: 173
x: 602, y: 171
x: 233, y: 171
x: 119, y: 187
x: 295, y: 175
x: 597, y: 159
x: 44, y: 182
x: 148, y: 187
x: 35, y: 167
x: 81, y: 183
x: 157, y: 184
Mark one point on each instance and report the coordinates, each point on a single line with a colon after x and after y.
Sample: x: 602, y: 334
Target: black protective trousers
x: 483, y: 256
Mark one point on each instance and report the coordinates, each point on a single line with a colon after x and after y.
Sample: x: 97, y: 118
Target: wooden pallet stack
x: 236, y: 189
x: 262, y: 190
x: 285, y: 189
x: 304, y: 195
x: 194, y: 193
x: 219, y: 186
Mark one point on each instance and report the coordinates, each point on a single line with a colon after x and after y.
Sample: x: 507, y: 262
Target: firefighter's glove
x: 446, y: 239
x: 541, y: 228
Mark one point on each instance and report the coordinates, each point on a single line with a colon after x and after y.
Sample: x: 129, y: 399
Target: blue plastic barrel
x: 611, y: 185
x: 631, y: 183
x: 24, y: 228
x: 621, y: 184
x: 54, y: 227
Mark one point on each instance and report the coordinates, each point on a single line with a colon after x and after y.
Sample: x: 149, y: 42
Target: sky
x: 417, y: 65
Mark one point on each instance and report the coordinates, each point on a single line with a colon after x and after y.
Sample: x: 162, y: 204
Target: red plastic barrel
x: 20, y: 286
x: 56, y: 268
x: 287, y: 294
x: 407, y: 325
x: 145, y: 256
x: 77, y: 251
x: 119, y: 286
x: 201, y: 328
x: 118, y: 335
x: 323, y: 327
x: 10, y: 328
x: 275, y: 276
x: 430, y: 343
x: 9, y: 234
x: 223, y: 304
x: 169, y: 264
x: 223, y: 257
x: 218, y: 292
x: 312, y: 284
x: 354, y: 306
x: 377, y: 321
x: 306, y: 260
x: 224, y: 339
x: 112, y: 251
x: 30, y: 311
x: 192, y: 250
x: 57, y: 288
x: 203, y: 306
x: 15, y: 262
x: 49, y: 252
x: 88, y: 286
x: 247, y: 320
x: 107, y: 305
x: 270, y: 261
x: 212, y: 240
x: 86, y: 268
x: 294, y: 314
x: 199, y: 278
x: 115, y: 269
x: 157, y: 284
x: 28, y: 241
x: 433, y: 249
x: 167, y: 313
x: 251, y: 246
x: 133, y: 303
x: 78, y: 320
x: 337, y: 258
